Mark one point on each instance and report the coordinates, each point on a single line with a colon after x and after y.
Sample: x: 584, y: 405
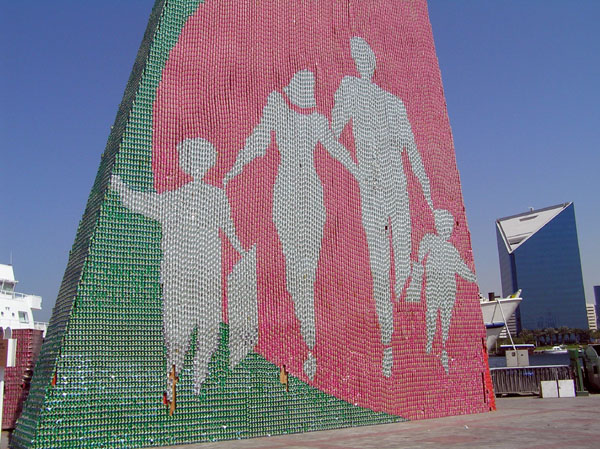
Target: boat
x: 496, y: 312
x: 16, y: 309
x: 556, y: 350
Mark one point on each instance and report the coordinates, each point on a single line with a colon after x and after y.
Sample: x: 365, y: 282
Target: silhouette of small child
x: 442, y: 265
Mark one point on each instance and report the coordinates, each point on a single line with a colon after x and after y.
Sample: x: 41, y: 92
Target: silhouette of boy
x: 442, y: 265
x: 190, y: 271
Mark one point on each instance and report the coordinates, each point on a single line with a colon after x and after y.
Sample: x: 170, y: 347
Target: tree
x: 538, y: 336
x: 549, y: 334
x: 563, y: 333
x: 526, y: 336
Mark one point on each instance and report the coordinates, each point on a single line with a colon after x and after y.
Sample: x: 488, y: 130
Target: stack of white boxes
x: 564, y: 388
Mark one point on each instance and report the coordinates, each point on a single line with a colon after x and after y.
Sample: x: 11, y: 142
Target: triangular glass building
x: 275, y: 241
x: 539, y: 253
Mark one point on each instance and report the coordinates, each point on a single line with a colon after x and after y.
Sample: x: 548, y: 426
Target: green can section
x: 100, y: 401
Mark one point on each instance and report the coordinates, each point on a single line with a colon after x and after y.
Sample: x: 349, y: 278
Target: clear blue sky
x: 520, y: 77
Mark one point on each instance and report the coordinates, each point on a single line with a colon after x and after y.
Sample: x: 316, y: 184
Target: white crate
x: 549, y: 389
x: 566, y: 388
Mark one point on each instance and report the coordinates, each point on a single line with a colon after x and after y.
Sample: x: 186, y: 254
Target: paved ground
x: 519, y: 422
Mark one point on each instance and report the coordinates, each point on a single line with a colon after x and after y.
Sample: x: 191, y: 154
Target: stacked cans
x: 275, y: 242
x: 17, y: 379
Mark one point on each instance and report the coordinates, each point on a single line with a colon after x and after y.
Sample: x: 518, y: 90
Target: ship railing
x: 16, y: 295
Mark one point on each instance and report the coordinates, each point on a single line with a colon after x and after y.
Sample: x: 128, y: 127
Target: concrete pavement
x: 519, y: 422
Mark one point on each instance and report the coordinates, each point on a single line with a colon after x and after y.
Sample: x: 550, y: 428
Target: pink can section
x: 215, y: 86
x: 18, y: 377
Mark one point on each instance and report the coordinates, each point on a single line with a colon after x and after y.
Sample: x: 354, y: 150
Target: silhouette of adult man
x: 382, y: 132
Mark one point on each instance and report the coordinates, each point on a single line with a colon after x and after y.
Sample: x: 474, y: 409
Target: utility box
x: 518, y: 357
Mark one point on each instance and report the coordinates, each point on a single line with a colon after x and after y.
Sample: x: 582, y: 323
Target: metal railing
x: 16, y: 295
x: 526, y: 379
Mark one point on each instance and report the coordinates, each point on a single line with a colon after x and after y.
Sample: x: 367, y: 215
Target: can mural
x: 275, y: 241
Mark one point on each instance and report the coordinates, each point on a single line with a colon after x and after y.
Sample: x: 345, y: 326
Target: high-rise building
x: 597, y: 303
x: 539, y: 253
x: 592, y: 317
x: 511, y: 326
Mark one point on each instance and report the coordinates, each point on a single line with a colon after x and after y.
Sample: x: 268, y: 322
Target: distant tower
x: 539, y: 253
x: 597, y: 296
x: 592, y: 317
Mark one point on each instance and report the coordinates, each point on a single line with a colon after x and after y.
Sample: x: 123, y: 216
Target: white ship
x: 496, y: 312
x: 16, y: 309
